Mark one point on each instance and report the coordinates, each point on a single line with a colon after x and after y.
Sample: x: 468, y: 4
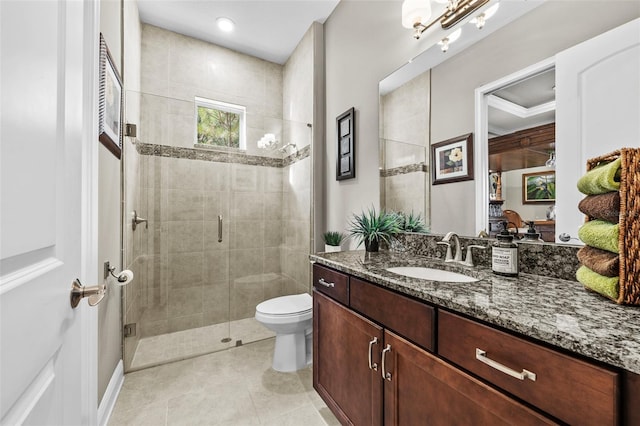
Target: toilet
x: 290, y: 318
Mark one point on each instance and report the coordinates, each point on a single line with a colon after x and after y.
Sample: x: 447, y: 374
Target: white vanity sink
x: 432, y: 274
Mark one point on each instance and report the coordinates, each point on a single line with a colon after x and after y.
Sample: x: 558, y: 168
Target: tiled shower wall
x: 404, y: 144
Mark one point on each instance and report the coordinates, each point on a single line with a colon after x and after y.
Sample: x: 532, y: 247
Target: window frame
x: 226, y: 107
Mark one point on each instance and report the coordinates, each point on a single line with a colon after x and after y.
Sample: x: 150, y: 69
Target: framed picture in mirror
x: 452, y: 160
x: 539, y: 188
x: 346, y: 157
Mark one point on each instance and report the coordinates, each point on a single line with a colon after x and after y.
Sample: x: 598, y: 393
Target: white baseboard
x: 111, y: 395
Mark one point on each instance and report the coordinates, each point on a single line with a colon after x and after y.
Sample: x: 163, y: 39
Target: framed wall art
x: 539, y: 188
x: 452, y: 160
x: 110, y: 102
x: 346, y: 157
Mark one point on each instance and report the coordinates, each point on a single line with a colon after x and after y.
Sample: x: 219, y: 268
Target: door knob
x: 94, y: 293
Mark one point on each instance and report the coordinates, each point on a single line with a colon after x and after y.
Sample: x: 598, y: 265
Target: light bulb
x: 415, y: 12
x: 445, y: 42
x: 481, y: 19
x: 225, y: 24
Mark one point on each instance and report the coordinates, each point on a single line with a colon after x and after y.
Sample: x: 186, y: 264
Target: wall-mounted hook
x: 138, y: 220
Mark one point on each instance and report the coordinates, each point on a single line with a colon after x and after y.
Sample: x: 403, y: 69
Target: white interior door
x: 598, y: 111
x: 48, y: 57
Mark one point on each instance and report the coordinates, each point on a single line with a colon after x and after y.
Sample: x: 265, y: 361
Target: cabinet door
x: 421, y: 389
x: 341, y: 373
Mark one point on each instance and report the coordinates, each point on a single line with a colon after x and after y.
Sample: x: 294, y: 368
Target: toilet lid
x: 286, y: 305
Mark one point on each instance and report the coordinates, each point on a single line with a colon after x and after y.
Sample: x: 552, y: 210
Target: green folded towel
x: 604, y: 285
x: 602, y: 179
x: 600, y: 234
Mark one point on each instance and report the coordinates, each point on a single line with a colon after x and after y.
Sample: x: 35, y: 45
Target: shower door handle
x: 219, y: 228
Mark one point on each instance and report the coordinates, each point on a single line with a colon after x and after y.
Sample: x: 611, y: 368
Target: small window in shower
x: 220, y: 124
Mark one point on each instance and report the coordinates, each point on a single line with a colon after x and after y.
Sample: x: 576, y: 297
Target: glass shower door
x: 179, y: 302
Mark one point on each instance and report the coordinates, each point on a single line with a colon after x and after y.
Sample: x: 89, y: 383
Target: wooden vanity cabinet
x: 341, y: 373
x: 572, y: 390
x: 422, y: 389
x: 408, y: 382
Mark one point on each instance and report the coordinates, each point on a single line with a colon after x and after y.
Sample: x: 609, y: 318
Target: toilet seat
x: 286, y: 306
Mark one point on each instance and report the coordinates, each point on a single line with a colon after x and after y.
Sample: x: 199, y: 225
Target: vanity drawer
x: 572, y: 390
x: 332, y: 283
x: 407, y: 317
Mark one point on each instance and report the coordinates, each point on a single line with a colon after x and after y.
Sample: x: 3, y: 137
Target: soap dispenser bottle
x: 504, y: 254
x: 531, y: 236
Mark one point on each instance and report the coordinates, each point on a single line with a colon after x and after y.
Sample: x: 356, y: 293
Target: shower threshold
x: 170, y: 347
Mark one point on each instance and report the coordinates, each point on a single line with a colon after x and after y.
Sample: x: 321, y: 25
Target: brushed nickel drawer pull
x: 372, y: 365
x: 385, y: 375
x: 321, y: 281
x: 482, y: 357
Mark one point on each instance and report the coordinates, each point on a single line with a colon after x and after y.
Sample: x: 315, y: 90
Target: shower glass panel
x: 216, y: 244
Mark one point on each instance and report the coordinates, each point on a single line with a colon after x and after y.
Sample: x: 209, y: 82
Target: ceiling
x: 526, y: 104
x: 266, y: 29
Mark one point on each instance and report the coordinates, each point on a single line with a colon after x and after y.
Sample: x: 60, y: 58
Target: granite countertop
x: 559, y: 312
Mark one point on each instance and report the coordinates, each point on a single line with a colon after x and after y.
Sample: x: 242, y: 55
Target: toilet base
x: 290, y: 352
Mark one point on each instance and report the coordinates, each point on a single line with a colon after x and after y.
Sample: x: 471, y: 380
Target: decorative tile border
x: 297, y: 156
x: 220, y: 156
x: 403, y: 170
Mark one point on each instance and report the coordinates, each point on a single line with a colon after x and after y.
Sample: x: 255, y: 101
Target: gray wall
x: 365, y: 42
x: 109, y: 338
x: 114, y: 29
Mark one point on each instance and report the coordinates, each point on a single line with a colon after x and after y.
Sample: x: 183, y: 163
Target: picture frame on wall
x: 539, y: 188
x: 110, y: 102
x: 452, y: 160
x: 346, y: 136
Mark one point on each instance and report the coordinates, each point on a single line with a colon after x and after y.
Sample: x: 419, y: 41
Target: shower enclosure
x: 227, y: 228
x: 221, y: 168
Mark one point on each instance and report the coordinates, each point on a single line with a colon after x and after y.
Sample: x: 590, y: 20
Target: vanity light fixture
x: 481, y: 19
x: 445, y: 42
x: 225, y: 24
x: 416, y: 14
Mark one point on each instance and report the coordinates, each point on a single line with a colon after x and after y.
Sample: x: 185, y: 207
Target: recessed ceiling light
x: 225, y: 24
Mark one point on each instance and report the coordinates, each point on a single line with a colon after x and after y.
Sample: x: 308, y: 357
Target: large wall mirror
x: 521, y: 117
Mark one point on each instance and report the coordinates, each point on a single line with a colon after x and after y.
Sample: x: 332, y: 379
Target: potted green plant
x: 333, y: 241
x: 372, y: 227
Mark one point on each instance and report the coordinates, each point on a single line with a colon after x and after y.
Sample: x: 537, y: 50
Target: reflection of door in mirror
x: 521, y: 139
x: 404, y: 140
x: 598, y: 108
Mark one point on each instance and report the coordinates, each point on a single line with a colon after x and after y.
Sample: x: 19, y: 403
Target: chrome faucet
x: 457, y: 257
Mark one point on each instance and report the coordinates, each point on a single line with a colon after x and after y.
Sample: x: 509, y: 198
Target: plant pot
x: 331, y: 249
x: 371, y: 246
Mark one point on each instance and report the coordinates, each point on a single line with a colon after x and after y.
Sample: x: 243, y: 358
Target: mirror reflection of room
x: 521, y: 133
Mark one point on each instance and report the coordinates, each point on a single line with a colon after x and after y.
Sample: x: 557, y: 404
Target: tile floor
x: 156, y: 350
x: 232, y: 387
